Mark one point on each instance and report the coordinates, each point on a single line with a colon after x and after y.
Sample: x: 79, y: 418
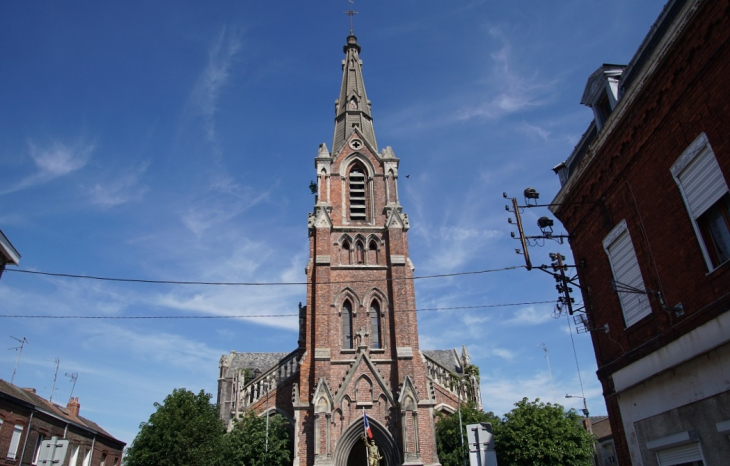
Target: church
x: 358, y: 353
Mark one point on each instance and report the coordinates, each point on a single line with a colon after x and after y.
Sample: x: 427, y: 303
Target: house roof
x: 8, y: 253
x: 29, y: 399
x: 601, y: 427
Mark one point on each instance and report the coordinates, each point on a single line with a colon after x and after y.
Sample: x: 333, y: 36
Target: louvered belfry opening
x: 358, y: 199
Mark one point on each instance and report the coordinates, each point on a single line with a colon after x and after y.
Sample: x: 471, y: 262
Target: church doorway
x: 358, y: 455
x: 351, y: 451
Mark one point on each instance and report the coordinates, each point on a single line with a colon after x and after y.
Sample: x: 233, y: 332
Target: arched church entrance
x: 351, y: 451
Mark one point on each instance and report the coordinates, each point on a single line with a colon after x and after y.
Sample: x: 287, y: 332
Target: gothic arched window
x: 375, y: 327
x: 347, y: 325
x: 359, y: 253
x: 373, y: 253
x: 345, y: 253
x: 358, y: 197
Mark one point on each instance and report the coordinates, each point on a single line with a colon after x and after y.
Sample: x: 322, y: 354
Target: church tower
x: 360, y: 335
x: 358, y: 351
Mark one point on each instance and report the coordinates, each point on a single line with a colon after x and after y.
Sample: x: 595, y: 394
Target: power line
x: 181, y: 282
x: 249, y: 316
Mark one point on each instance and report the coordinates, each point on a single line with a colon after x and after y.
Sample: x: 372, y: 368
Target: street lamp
x: 585, y: 405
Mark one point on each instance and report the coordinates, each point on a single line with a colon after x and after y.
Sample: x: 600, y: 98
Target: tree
x: 185, y: 430
x: 448, y: 440
x: 245, y: 445
x: 545, y: 434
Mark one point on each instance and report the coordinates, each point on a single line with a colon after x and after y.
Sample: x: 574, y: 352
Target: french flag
x: 367, y: 424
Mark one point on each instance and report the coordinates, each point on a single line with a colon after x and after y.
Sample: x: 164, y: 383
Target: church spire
x: 352, y: 109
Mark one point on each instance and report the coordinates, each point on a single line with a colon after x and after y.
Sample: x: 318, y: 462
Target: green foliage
x: 539, y: 433
x: 313, y: 187
x: 245, y: 445
x: 448, y: 440
x: 185, y: 430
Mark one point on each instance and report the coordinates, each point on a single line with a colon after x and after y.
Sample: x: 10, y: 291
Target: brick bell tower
x: 359, y: 336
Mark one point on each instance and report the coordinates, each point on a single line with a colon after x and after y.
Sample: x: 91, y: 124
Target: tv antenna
x: 74, y: 376
x: 19, y: 349
x: 552, y: 383
x: 55, y: 376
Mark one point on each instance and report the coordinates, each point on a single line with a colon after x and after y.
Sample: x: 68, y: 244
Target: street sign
x: 481, y: 444
x: 53, y: 452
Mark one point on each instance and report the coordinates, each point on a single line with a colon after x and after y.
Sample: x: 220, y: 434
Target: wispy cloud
x: 530, y: 316
x: 223, y: 201
x: 511, y: 91
x: 213, y: 79
x: 53, y: 161
x: 120, y: 190
x: 159, y: 347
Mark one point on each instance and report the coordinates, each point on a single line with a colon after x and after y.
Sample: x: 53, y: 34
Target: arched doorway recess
x: 350, y: 450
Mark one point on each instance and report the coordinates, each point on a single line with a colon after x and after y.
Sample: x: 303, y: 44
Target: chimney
x: 73, y: 406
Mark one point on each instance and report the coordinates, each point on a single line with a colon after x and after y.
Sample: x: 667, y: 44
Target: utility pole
x: 562, y: 281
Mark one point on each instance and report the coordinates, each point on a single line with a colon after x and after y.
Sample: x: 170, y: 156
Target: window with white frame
x: 705, y: 193
x: 14, y: 442
x: 74, y: 461
x: 87, y: 458
x: 629, y: 283
x: 38, y: 446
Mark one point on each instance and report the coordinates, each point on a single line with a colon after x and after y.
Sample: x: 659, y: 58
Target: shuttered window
x: 704, y: 191
x: 684, y: 455
x: 14, y: 442
x: 358, y: 198
x: 629, y: 283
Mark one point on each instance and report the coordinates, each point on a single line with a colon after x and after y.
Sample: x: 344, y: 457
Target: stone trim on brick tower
x: 358, y: 351
x: 358, y: 254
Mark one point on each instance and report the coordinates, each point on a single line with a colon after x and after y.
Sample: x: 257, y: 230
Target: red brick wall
x: 324, y: 322
x: 630, y: 179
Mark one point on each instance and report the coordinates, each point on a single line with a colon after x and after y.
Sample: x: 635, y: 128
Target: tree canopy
x: 185, y: 430
x: 245, y: 445
x: 542, y: 433
x: 532, y: 433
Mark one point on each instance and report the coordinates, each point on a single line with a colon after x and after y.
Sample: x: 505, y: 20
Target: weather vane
x: 351, y: 13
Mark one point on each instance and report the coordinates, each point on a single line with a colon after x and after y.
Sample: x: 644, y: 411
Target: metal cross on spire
x: 351, y: 13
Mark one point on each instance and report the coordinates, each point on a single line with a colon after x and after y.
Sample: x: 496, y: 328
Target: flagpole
x: 365, y: 436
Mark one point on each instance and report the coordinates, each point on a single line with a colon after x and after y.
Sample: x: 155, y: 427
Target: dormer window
x: 601, y: 92
x: 358, y: 197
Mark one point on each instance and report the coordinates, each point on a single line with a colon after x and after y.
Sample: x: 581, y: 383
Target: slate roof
x: 253, y: 361
x: 446, y: 358
x: 30, y: 399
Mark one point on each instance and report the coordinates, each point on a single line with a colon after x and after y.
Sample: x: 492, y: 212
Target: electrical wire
x: 181, y: 282
x: 257, y: 316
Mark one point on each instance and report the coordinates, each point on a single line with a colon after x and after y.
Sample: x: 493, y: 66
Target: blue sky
x: 175, y: 141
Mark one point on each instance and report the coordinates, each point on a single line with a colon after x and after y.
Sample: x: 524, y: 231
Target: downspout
x: 65, y: 431
x: 27, y: 434
x: 91, y: 458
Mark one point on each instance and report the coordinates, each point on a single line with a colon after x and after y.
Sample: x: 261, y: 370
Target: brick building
x: 358, y: 345
x: 645, y: 198
x: 26, y: 420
